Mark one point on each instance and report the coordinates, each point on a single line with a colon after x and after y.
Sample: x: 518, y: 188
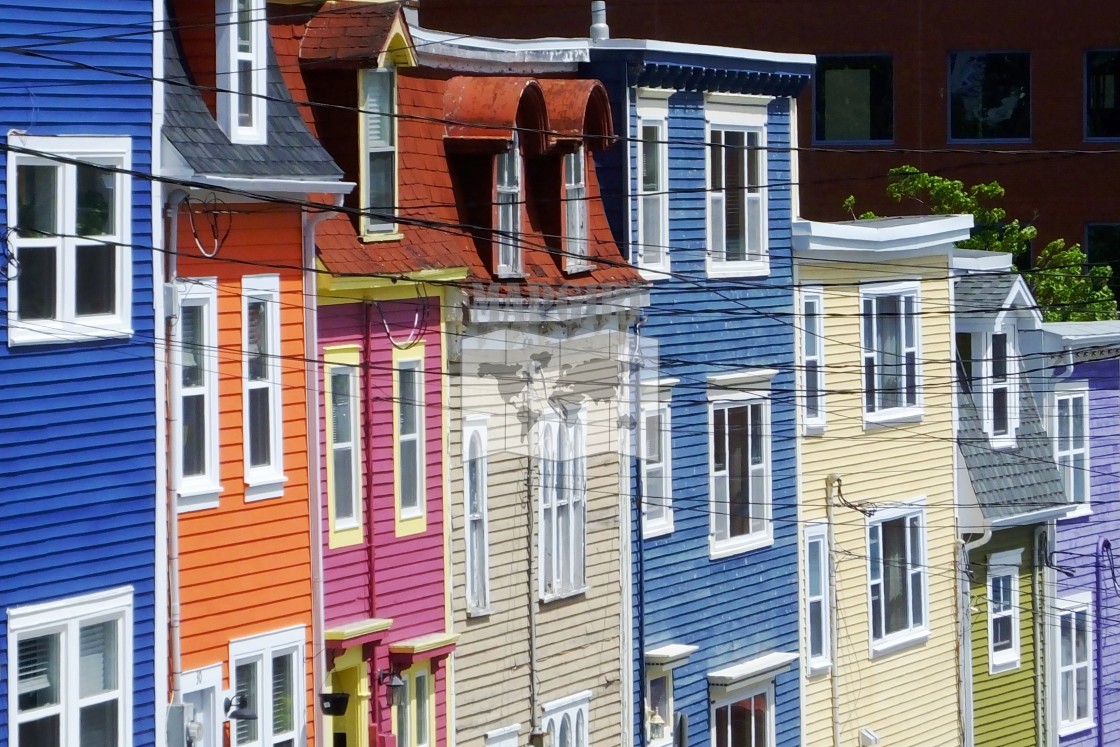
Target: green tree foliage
x: 1065, y: 289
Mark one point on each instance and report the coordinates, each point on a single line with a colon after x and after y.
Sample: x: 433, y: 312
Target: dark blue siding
x: 744, y: 606
x: 77, y: 420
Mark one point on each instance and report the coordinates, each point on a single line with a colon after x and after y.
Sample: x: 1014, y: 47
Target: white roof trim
x: 762, y: 667
x: 706, y: 50
x: 672, y: 653
x: 886, y: 238
x: 270, y: 185
x: 737, y: 378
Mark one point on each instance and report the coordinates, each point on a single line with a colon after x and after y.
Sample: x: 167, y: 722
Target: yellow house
x: 879, y: 607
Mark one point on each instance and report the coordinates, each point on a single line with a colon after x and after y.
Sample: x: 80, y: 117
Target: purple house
x: 1082, y: 403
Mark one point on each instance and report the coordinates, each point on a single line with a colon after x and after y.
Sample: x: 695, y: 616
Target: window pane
x: 990, y: 95
x: 246, y: 687
x: 999, y: 357
x: 283, y: 694
x: 44, y: 732
x: 816, y: 565
x: 194, y: 435
x: 1102, y: 97
x: 565, y: 732
x: 738, y: 444
x: 408, y: 473
x: 38, y: 200
x: 244, y: 26
x: 1082, y: 680
x: 96, y: 280
x: 855, y: 98
x: 1077, y: 426
x: 38, y: 672
x: 1002, y: 634
x: 816, y: 628
x: 245, y: 93
x: 97, y: 202
x: 378, y: 108
x: 341, y: 405
x: 403, y: 715
x: 380, y: 180
x: 659, y: 698
x: 734, y: 206
x: 888, y: 343
x: 719, y: 439
x: 191, y: 341
x: 895, y: 581
x: 260, y: 427
x: 258, y: 341
x: 38, y: 278
x: 98, y: 724
x: 422, y: 715
x: 1102, y: 247
x: 999, y: 411
x: 651, y: 157
x: 1067, y: 639
x: 97, y: 666
x: 408, y: 397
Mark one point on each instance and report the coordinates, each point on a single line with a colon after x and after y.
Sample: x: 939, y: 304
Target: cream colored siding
x: 908, y: 696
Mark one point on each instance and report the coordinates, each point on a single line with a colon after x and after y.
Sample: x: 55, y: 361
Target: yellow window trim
x: 410, y: 525
x: 340, y: 289
x: 342, y: 355
x: 409, y: 675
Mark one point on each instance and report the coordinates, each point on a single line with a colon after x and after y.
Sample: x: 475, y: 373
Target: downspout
x: 964, y: 609
x: 174, y: 623
x: 536, y: 731
x: 367, y: 472
x: 311, y: 350
x: 1103, y: 546
x: 640, y: 586
x: 832, y: 482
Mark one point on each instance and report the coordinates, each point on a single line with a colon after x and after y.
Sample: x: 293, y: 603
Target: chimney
x: 599, y: 28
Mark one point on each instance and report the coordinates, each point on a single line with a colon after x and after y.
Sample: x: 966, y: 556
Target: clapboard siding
x: 1078, y: 543
x: 878, y: 467
x: 245, y: 566
x: 77, y: 420
x: 744, y: 606
x: 578, y: 639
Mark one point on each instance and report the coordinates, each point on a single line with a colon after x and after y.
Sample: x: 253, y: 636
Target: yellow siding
x: 908, y: 696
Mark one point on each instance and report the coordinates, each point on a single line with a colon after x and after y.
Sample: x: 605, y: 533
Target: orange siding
x: 245, y: 567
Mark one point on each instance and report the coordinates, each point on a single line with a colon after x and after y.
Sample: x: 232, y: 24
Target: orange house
x: 241, y: 167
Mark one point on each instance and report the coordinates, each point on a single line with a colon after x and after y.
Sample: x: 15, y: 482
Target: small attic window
x: 507, y: 208
x: 379, y: 143
x: 576, y: 257
x: 242, y: 66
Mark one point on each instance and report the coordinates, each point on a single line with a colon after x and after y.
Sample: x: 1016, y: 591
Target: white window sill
x: 898, y: 642
x: 559, y: 596
x: 813, y: 428
x: 408, y: 514
x: 389, y: 234
x: 479, y: 612
x: 749, y: 269
x: 263, y: 488
x: 1077, y: 727
x: 51, y: 332
x: 198, y: 498
x: 654, y: 273
x: 726, y: 548
x: 346, y: 526
x: 1003, y: 442
x: 818, y: 668
x: 654, y: 529
x: 1082, y: 510
x: 999, y: 665
x: 511, y: 275
x: 892, y: 416
x: 576, y: 268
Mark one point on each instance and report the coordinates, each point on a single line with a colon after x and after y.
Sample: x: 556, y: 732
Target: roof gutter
x: 1034, y: 517
x: 282, y: 186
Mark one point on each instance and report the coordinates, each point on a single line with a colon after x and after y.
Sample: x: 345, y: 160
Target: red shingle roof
x: 346, y: 32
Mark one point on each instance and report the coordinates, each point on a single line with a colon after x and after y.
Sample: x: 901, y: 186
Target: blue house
x: 704, y: 198
x: 80, y: 661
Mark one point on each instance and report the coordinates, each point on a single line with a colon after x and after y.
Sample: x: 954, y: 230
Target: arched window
x: 478, y: 560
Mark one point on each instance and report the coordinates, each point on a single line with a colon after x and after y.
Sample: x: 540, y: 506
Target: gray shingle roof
x: 290, y: 153
x: 1012, y: 481
x: 983, y: 292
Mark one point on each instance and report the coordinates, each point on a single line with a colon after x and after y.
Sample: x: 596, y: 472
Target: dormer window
x: 379, y: 143
x: 1002, y: 403
x: 575, y: 212
x: 242, y: 66
x: 507, y: 223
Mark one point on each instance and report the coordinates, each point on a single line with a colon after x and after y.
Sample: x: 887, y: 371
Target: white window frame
x: 1001, y: 565
x: 65, y: 617
x: 262, y: 649
x: 577, y: 241
x: 653, y: 112
x: 874, y: 413
x: 197, y: 492
x: 723, y: 546
x: 375, y: 227
x: 1069, y: 391
x: 656, y: 673
x: 266, y: 480
x: 477, y: 589
x: 662, y: 525
x: 355, y: 445
x: 420, y: 438
x: 817, y: 533
x: 748, y: 118
x: 508, y: 259
x: 577, y: 709
x: 114, y: 154
x: 916, y: 566
x: 1008, y: 383
x: 564, y: 574
x: 229, y: 82
x: 206, y: 683
x: 766, y: 690
x: 1068, y: 607
x: 812, y: 328
x: 504, y: 737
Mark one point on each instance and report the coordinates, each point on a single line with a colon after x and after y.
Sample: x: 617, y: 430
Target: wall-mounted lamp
x: 237, y: 709
x: 656, y: 725
x: 393, y: 682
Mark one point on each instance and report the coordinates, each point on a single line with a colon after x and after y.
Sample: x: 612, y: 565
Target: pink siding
x: 408, y: 578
